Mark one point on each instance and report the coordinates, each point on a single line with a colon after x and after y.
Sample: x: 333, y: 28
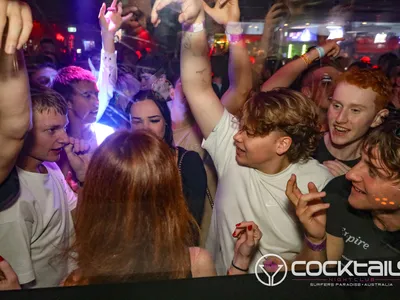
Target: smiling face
x: 372, y: 190
x: 351, y: 113
x: 84, y: 102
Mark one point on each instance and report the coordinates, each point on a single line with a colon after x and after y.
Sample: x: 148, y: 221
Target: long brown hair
x: 132, y: 219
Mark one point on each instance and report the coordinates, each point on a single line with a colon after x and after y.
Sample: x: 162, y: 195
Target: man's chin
x: 240, y: 162
x: 357, y: 203
x: 53, y: 158
x: 90, y: 119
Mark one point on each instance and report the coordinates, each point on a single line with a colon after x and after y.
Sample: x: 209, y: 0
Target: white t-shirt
x: 246, y: 194
x: 38, y: 227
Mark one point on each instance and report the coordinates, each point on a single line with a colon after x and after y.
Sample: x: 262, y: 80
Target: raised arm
x: 240, y: 81
x: 110, y: 23
x: 15, y: 103
x: 311, y: 211
x: 273, y: 17
x: 195, y: 65
x: 286, y: 75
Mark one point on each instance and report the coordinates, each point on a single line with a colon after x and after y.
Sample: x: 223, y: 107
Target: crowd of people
x: 190, y: 181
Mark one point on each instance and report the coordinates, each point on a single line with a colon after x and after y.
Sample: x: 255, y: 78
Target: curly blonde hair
x: 287, y: 111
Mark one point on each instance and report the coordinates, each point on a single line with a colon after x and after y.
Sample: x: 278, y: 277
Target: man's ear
x: 283, y: 144
x: 172, y: 93
x: 380, y: 117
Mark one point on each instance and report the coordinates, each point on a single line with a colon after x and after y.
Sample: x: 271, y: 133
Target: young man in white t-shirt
x: 254, y: 156
x: 36, y: 230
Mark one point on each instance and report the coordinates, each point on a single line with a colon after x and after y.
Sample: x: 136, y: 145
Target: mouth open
x: 358, y: 190
x: 340, y: 130
x: 239, y: 149
x: 58, y: 150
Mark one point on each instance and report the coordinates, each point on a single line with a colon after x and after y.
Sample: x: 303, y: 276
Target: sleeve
x: 107, y: 80
x: 194, y: 183
x: 9, y: 189
x: 337, y: 206
x: 219, y: 143
x: 15, y: 239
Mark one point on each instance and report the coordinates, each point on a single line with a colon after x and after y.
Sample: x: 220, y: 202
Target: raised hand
x: 78, y: 156
x: 190, y: 11
x: 310, y: 209
x: 8, y: 278
x: 224, y: 11
x: 276, y: 14
x: 248, y: 237
x: 111, y: 21
x: 20, y: 24
x: 331, y: 47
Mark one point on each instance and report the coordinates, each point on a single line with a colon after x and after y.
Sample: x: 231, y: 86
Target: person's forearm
x: 196, y: 80
x: 285, y: 76
x: 240, y: 81
x: 15, y: 102
x: 108, y: 42
x: 107, y: 74
x: 196, y: 66
x: 239, y: 266
x: 263, y: 53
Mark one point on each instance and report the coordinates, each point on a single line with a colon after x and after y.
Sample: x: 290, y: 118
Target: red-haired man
x: 359, y: 103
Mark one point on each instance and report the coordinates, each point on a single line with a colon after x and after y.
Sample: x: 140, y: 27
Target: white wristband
x: 196, y: 27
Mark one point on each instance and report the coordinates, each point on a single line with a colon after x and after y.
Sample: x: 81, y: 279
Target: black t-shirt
x: 194, y: 182
x: 9, y: 190
x: 322, y: 154
x: 362, y: 239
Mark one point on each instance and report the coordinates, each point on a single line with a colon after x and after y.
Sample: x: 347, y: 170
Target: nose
x: 238, y: 137
x: 95, y: 101
x: 354, y: 173
x: 341, y: 118
x: 64, y: 138
x: 146, y: 125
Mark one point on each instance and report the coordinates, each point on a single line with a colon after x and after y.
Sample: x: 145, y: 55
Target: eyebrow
x: 378, y: 170
x: 352, y: 105
x: 149, y: 117
x: 358, y: 105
